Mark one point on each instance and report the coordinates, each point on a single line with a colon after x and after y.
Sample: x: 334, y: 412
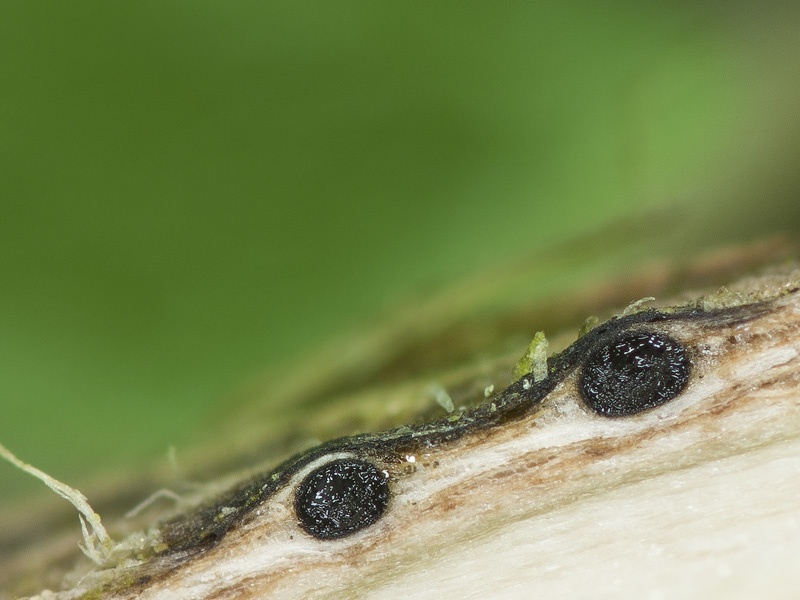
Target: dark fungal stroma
x: 634, y: 372
x: 621, y: 371
x: 341, y: 498
x: 626, y: 374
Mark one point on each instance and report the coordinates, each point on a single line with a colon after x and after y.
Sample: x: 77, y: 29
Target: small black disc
x: 634, y: 372
x: 341, y: 497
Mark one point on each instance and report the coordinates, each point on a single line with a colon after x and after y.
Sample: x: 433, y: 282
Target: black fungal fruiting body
x: 341, y: 498
x: 634, y: 372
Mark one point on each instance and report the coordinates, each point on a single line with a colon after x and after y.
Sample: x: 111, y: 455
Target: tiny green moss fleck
x: 589, y: 324
x: 534, y: 360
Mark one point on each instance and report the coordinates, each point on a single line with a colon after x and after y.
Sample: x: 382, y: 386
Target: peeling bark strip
x: 708, y: 388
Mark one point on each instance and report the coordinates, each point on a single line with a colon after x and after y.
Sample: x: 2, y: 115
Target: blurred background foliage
x: 192, y: 191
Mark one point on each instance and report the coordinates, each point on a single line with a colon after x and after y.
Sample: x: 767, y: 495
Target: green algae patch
x: 534, y: 361
x: 590, y: 323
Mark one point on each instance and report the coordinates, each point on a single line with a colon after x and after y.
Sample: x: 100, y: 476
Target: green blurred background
x: 192, y: 191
